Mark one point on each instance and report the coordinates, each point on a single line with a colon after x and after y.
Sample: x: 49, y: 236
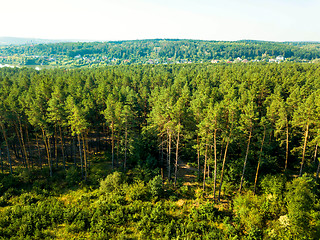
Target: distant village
x: 77, y: 61
x: 278, y: 59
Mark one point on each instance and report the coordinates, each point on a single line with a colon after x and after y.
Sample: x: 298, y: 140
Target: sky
x: 105, y: 20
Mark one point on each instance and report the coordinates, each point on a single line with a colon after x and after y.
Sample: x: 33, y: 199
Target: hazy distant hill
x: 21, y: 41
x: 152, y: 51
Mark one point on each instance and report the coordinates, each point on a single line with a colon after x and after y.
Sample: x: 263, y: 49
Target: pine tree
x: 78, y: 124
x: 305, y: 119
x: 248, y: 117
x: 278, y: 114
x: 112, y: 115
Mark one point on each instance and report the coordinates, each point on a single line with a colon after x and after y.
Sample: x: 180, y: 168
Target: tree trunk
x: 198, y: 156
x: 215, y: 164
x: 221, y: 150
x: 169, y: 156
x: 204, y: 168
x: 28, y: 145
x: 15, y: 151
x: 1, y: 160
x: 315, y: 154
x: 56, y: 146
x: 208, y: 164
x: 118, y: 148
x: 80, y: 154
x: 287, y: 146
x: 62, y: 149
x: 84, y: 158
x: 257, y: 172
x: 74, y: 151
x: 23, y: 144
x: 177, y: 158
x: 318, y: 169
x: 39, y: 152
x: 112, y: 143
x: 304, y: 149
x: 223, y: 164
x: 7, y: 146
x: 87, y: 148
x: 97, y: 149
x: 9, y: 157
x: 125, y: 147
x: 21, y: 147
x: 162, y: 158
x: 48, y: 151
x: 245, y: 161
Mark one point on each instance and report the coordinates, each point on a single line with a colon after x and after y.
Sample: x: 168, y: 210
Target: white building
x: 279, y: 58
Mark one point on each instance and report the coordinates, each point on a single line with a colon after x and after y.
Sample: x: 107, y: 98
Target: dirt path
x: 187, y: 173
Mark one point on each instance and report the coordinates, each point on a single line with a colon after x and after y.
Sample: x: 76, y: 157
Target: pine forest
x: 161, y: 151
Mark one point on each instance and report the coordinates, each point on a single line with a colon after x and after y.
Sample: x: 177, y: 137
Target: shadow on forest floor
x: 187, y: 173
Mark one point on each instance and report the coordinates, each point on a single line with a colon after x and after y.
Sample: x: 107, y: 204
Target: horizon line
x: 148, y: 39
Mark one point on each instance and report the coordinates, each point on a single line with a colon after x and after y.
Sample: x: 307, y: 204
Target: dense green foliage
x: 125, y: 207
x: 251, y: 131
x: 156, y: 51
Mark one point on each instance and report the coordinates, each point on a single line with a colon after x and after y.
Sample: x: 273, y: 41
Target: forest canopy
x: 121, y: 133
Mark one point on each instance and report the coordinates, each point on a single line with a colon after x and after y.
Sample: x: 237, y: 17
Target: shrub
x: 7, y: 182
x: 79, y: 223
x: 274, y: 185
x: 143, y: 173
x: 3, y: 202
x: 207, y: 212
x: 10, y: 193
x: 73, y: 176
x: 199, y: 193
x: 112, y: 182
x: 155, y: 186
x: 28, y: 198
x: 136, y: 191
x: 25, y: 175
x: 25, y: 221
x: 228, y: 188
x: 249, y: 211
x: 184, y: 190
x: 96, y: 174
x: 300, y: 198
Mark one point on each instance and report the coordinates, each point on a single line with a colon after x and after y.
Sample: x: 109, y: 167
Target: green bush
x: 249, y: 211
x: 80, y: 222
x: 135, y: 191
x: 73, y: 176
x: 27, y: 220
x: 273, y: 188
x: 143, y: 173
x: 301, y: 198
x: 274, y: 185
x: 155, y: 186
x: 184, y: 190
x: 11, y: 192
x: 228, y: 188
x: 112, y: 182
x: 28, y: 198
x: 7, y: 182
x: 3, y: 202
x: 96, y: 175
x: 206, y: 211
x: 25, y: 175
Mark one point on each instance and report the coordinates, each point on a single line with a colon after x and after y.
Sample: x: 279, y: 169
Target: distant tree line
x: 195, y: 50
